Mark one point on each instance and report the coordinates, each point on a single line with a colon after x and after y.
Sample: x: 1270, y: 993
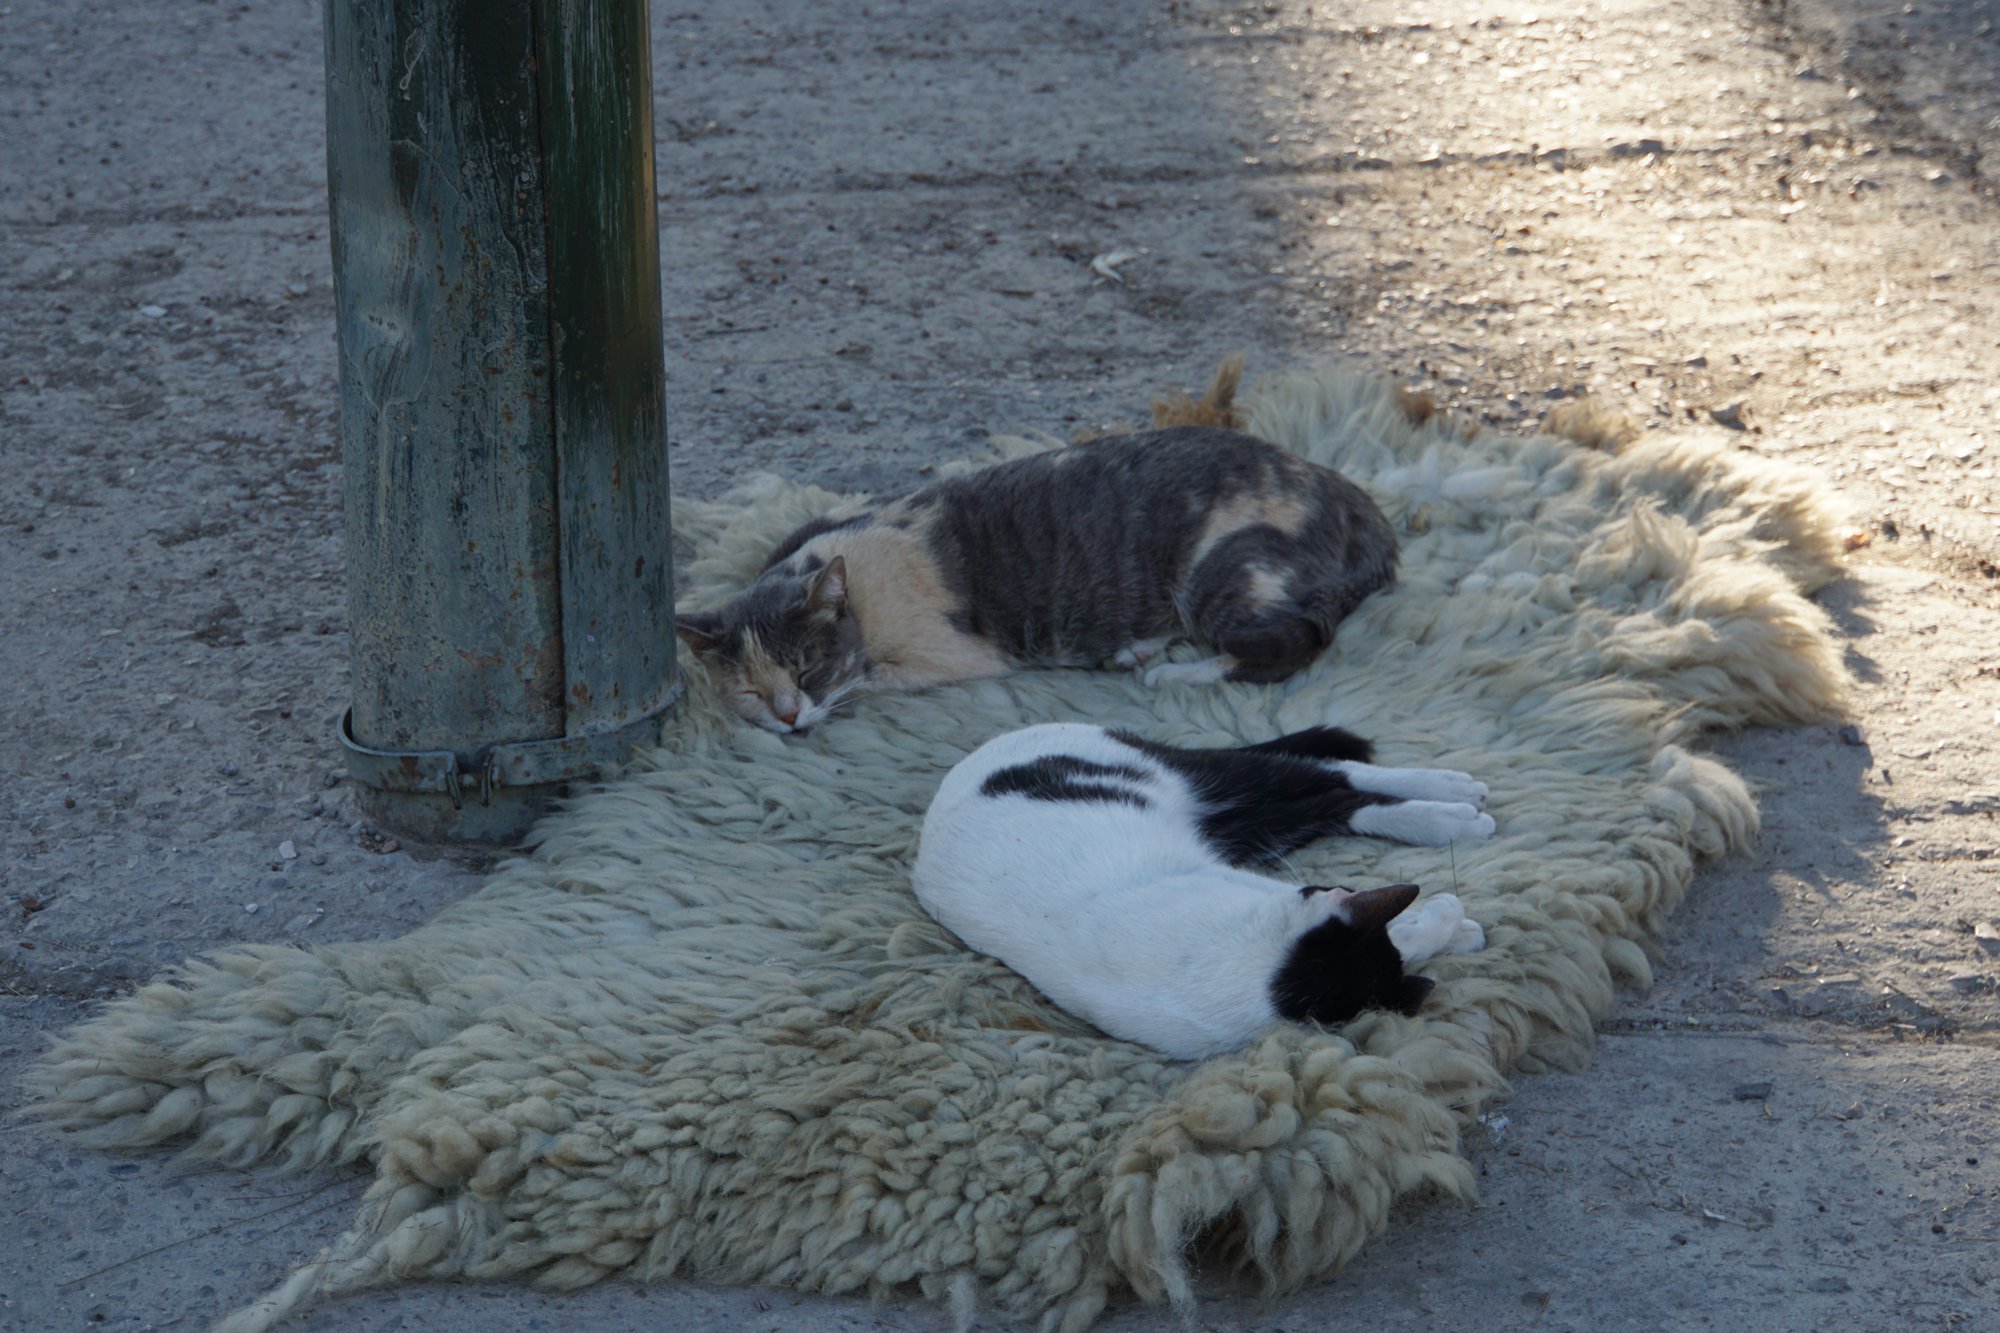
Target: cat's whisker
x: 841, y: 693
x: 1288, y: 867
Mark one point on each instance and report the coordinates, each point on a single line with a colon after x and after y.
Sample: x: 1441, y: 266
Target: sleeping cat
x: 1110, y: 872
x: 1100, y: 552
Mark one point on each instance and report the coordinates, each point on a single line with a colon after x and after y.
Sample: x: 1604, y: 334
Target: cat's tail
x: 1217, y: 407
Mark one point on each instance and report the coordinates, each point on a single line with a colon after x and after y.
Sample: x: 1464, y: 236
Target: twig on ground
x: 214, y: 1230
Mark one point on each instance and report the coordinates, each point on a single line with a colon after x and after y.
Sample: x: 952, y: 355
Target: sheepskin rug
x: 704, y: 1029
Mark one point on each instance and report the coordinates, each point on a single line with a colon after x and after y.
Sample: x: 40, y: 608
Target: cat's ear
x: 700, y: 630
x: 828, y: 594
x: 1410, y: 993
x: 1374, y: 909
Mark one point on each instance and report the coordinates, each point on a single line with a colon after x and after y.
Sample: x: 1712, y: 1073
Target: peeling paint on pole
x: 497, y: 283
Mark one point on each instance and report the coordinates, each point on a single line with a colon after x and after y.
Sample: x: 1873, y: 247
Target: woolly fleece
x: 705, y: 1029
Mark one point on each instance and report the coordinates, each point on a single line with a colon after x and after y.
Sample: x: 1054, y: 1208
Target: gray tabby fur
x: 1100, y: 552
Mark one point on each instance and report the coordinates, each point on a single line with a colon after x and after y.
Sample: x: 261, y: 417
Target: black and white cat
x: 1110, y: 872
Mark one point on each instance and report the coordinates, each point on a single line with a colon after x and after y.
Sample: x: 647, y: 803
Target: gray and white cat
x: 1103, y: 552
x: 1111, y: 872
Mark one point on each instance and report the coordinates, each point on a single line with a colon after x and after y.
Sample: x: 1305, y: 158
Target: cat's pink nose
x: 788, y: 716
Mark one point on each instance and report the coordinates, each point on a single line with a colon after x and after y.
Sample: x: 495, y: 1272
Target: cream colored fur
x: 704, y: 1029
x: 1285, y: 512
x: 898, y: 596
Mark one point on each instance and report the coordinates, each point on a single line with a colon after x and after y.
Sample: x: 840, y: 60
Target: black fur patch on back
x: 1265, y: 801
x: 811, y: 529
x: 1335, y: 971
x: 1064, y: 777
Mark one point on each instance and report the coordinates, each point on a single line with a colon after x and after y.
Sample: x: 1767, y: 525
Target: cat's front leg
x: 1141, y: 651
x: 1423, y: 823
x: 1189, y: 673
x: 1413, y: 784
x: 902, y: 678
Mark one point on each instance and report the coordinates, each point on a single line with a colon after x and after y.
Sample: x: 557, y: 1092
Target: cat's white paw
x: 1188, y: 673
x: 1468, y: 937
x: 1139, y: 652
x: 1424, y: 823
x: 1414, y: 784
x: 1443, y: 784
x: 1431, y: 928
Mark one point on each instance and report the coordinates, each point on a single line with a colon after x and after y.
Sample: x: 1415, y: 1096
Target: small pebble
x: 152, y: 311
x: 287, y: 852
x: 250, y: 908
x: 1751, y: 1092
x: 1853, y: 735
x: 229, y: 770
x: 304, y: 921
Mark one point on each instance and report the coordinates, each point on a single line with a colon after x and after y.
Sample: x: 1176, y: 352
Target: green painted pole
x: 496, y: 278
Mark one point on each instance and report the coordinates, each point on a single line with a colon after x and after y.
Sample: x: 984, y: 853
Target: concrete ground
x: 879, y: 226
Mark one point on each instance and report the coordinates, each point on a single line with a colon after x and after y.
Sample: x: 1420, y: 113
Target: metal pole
x: 496, y: 276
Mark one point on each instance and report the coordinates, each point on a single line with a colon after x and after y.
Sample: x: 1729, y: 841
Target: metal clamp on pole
x: 407, y: 771
x: 542, y: 763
